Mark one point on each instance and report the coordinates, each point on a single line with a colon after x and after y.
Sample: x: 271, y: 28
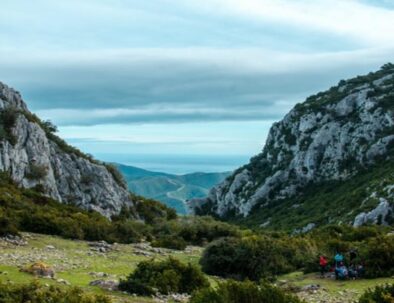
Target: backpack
x: 323, y: 261
x: 338, y: 258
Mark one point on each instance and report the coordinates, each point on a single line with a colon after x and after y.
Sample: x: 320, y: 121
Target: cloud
x: 105, y: 62
x: 363, y: 22
x: 176, y: 85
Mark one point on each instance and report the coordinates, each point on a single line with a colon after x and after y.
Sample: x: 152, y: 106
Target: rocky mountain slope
x: 172, y: 190
x: 334, y: 136
x: 36, y: 158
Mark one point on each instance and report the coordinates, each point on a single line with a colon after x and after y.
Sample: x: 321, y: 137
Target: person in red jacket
x: 323, y: 265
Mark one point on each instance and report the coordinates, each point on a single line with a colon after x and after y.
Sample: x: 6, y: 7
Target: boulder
x: 111, y: 285
x: 40, y: 269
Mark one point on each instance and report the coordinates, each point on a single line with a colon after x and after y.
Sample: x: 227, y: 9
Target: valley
x: 172, y: 190
x: 322, y: 186
x: 221, y: 151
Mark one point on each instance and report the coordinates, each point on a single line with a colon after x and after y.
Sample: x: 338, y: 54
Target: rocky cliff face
x: 36, y: 158
x: 332, y: 136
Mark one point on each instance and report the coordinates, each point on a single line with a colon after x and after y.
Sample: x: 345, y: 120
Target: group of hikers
x: 353, y: 271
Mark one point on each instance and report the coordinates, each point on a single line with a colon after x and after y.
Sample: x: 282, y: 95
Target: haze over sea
x: 179, y: 164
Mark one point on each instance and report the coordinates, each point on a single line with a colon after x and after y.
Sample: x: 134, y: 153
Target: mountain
x: 35, y: 157
x: 330, y: 160
x: 172, y: 190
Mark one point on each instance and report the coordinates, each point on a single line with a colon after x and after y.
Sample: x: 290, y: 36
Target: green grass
x: 348, y: 290
x: 73, y: 262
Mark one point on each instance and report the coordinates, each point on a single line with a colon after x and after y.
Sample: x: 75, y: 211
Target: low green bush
x: 8, y: 118
x: 381, y: 294
x: 37, y: 172
x: 172, y: 242
x: 168, y: 276
x: 152, y: 211
x: 196, y: 230
x: 254, y: 258
x: 36, y: 293
x: 7, y: 227
x: 378, y: 256
x: 245, y: 292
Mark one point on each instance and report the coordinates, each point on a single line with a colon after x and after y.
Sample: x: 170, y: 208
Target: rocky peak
x: 36, y: 158
x: 331, y: 136
x: 10, y: 98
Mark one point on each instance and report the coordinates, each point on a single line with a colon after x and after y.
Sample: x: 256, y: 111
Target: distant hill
x: 173, y: 190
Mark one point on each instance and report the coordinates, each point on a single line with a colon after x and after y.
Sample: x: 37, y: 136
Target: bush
x: 196, y: 230
x: 8, y: 118
x: 172, y: 242
x: 168, y: 276
x: 49, y: 127
x: 35, y: 293
x: 152, y: 211
x: 118, y: 177
x: 252, y: 257
x: 378, y: 255
x: 381, y: 294
x: 130, y: 231
x: 236, y: 292
x: 6, y: 227
x: 37, y: 172
x: 205, y: 229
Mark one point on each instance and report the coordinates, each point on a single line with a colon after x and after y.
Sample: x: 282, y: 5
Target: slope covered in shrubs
x: 168, y: 276
x: 36, y: 293
x: 381, y: 294
x: 29, y: 210
x: 269, y: 255
x: 328, y: 202
x: 246, y: 292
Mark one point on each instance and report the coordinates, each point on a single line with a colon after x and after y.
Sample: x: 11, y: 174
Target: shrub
x: 37, y: 172
x: 172, y: 242
x: 381, y: 294
x: 378, y: 254
x: 235, y: 292
x: 152, y: 211
x: 205, y: 229
x: 252, y: 257
x: 49, y: 127
x: 129, y: 231
x: 87, y: 179
x: 7, y: 227
x: 8, y: 118
x: 36, y: 293
x: 168, y: 276
x: 196, y: 230
x: 118, y: 177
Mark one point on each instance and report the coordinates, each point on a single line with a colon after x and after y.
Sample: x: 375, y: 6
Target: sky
x: 183, y: 85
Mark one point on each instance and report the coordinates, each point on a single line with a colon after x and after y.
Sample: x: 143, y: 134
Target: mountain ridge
x: 36, y: 158
x: 330, y: 137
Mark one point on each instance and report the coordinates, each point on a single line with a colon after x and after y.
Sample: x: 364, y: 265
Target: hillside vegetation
x: 330, y: 202
x: 29, y: 210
